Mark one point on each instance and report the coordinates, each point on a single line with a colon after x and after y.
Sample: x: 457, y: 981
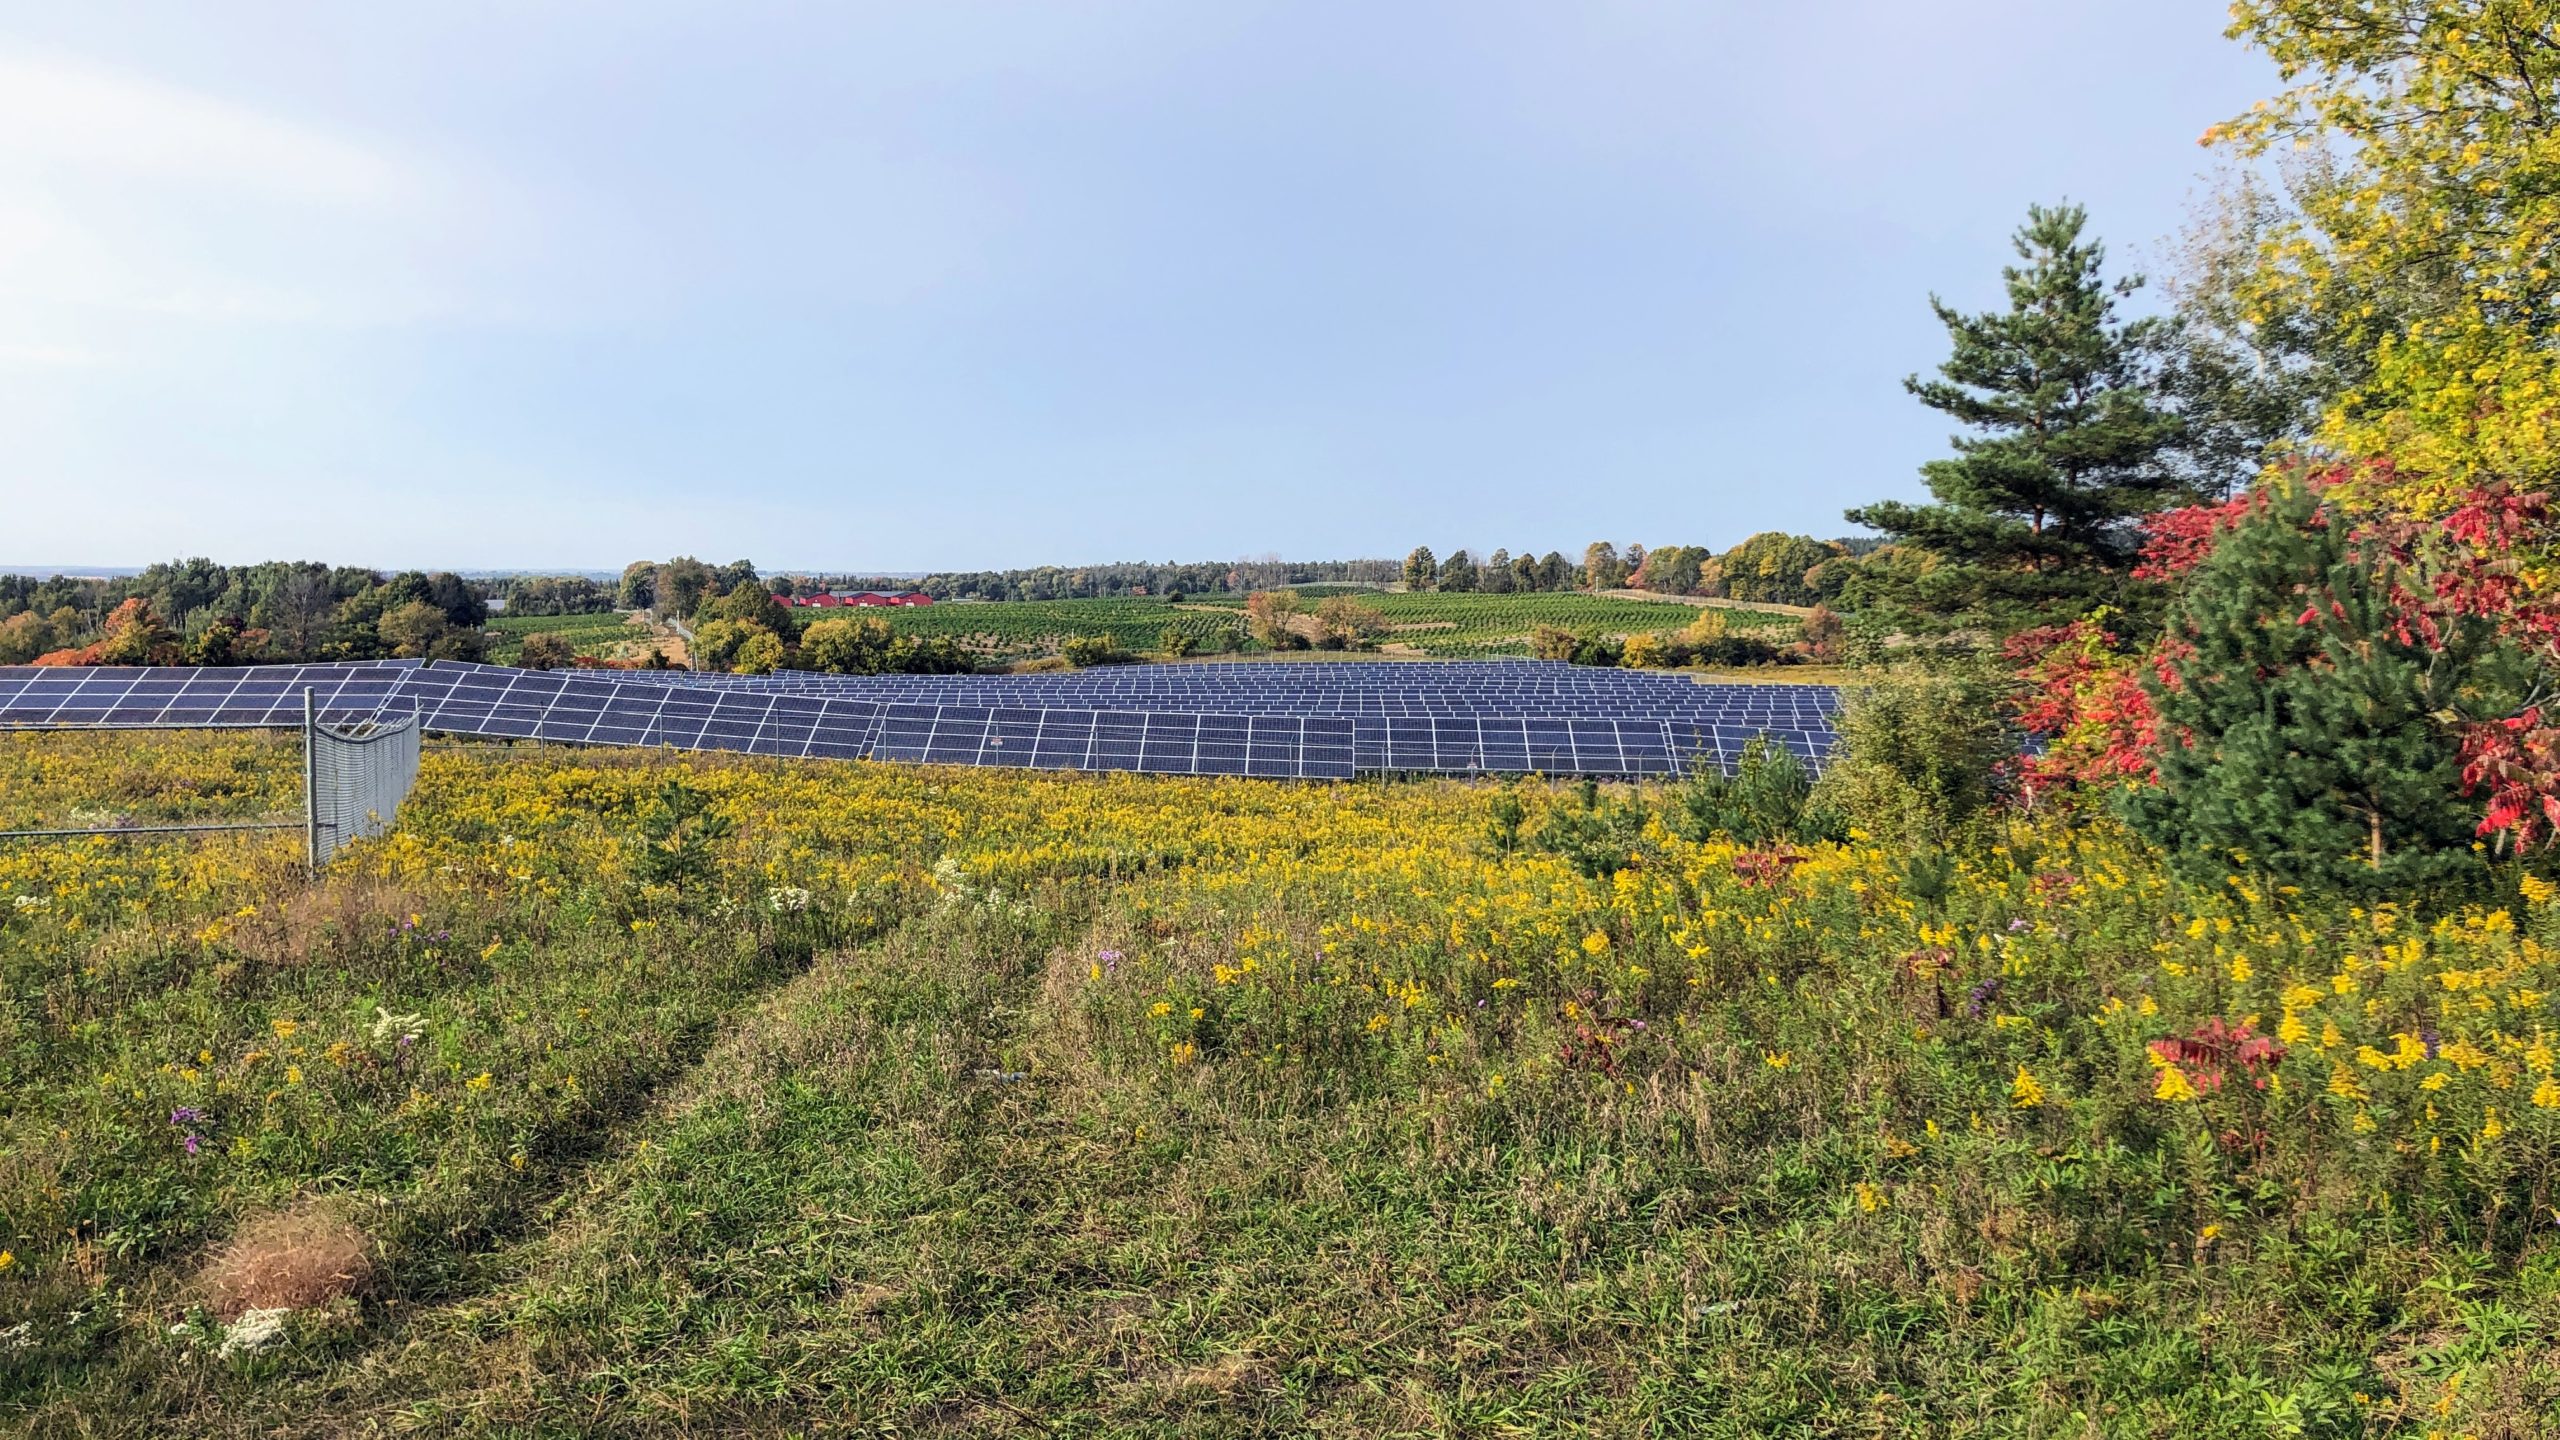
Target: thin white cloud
x: 48, y: 357
x: 127, y: 200
x: 56, y: 112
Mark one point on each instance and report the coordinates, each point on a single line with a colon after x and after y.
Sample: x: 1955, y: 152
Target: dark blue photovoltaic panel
x: 62, y: 697
x: 1321, y: 718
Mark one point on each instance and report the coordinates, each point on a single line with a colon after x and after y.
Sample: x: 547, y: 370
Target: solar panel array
x: 139, y: 697
x: 1314, y: 719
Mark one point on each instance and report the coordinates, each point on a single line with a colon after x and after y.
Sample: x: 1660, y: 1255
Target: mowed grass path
x: 801, y: 1099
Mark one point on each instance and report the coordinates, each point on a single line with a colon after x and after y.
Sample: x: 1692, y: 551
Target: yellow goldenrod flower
x: 2025, y: 1091
x: 2173, y: 1085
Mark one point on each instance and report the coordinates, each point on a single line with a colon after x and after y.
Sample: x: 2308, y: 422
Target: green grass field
x: 1443, y: 625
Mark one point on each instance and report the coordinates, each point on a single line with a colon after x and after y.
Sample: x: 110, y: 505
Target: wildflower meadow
x: 690, y: 1094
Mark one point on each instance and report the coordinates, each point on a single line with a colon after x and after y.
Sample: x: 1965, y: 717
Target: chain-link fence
x: 357, y: 776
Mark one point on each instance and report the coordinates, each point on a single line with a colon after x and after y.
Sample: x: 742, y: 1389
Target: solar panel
x: 1151, y: 742
x: 1320, y: 719
x: 155, y: 697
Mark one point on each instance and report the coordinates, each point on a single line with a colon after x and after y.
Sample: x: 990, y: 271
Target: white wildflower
x: 254, y: 1330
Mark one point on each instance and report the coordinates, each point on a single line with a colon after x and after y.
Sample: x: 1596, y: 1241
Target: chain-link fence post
x: 310, y: 783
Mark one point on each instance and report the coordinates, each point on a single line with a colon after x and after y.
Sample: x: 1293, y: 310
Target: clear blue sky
x: 960, y: 285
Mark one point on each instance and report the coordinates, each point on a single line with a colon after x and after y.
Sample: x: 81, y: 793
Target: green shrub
x: 2305, y: 734
x: 1597, y: 836
x: 546, y: 650
x: 1922, y: 755
x: 1763, y: 802
x: 1086, y: 650
x: 678, y: 835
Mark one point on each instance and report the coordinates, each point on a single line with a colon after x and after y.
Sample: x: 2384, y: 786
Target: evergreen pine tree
x: 2300, y: 734
x: 1421, y: 568
x: 2039, y: 505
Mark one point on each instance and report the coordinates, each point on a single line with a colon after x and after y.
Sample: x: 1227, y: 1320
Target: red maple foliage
x: 2176, y: 541
x: 2468, y: 566
x: 2083, y: 699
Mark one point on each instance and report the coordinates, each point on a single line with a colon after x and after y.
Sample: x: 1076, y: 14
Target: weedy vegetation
x: 636, y: 1094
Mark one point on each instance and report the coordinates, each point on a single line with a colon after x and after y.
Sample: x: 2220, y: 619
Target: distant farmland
x: 604, y: 636
x: 1443, y: 625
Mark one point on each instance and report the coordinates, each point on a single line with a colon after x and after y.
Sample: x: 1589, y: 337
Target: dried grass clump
x: 341, y: 922
x: 289, y: 1260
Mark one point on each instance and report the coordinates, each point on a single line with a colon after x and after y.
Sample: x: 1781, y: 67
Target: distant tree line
x: 559, y: 595
x: 1084, y: 582
x: 741, y: 624
x: 198, y: 612
x: 1771, y: 567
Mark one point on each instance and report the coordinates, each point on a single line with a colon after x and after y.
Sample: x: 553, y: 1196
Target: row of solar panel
x: 1096, y: 740
x: 623, y: 709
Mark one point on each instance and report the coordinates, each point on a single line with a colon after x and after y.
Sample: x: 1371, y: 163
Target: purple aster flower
x: 2019, y: 924
x: 194, y: 1143
x: 186, y: 1115
x: 1978, y: 1003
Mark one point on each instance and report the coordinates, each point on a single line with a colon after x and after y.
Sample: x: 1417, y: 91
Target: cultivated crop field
x: 1452, y: 626
x: 605, y: 636
x: 633, y: 1094
x: 1021, y: 629
x: 1478, y: 626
